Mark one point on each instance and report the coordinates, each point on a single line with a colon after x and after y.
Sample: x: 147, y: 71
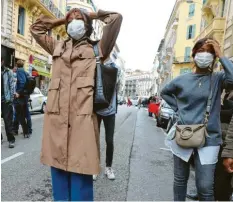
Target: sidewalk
x: 151, y: 164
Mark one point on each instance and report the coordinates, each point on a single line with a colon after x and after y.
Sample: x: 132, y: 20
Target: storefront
x: 39, y: 65
x: 8, y: 55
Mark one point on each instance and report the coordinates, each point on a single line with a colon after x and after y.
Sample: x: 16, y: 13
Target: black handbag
x: 105, y: 83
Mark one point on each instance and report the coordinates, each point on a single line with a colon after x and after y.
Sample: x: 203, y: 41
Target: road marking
x: 166, y: 149
x: 11, y: 157
x: 163, y: 132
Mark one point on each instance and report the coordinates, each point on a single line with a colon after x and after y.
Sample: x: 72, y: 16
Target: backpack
x: 30, y: 84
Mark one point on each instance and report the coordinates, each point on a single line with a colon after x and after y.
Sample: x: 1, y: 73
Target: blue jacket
x: 21, y: 81
x: 8, y: 83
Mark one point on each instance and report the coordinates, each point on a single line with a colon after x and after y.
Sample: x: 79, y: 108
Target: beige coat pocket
x: 85, y: 93
x: 53, y: 96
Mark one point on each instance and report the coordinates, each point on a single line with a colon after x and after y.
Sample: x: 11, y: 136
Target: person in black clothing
x: 7, y: 96
x: 222, y: 186
x: 21, y: 98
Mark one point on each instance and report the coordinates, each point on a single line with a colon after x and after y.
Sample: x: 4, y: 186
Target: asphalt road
x: 142, y: 163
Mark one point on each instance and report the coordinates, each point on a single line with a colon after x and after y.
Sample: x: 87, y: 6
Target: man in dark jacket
x: 21, y: 97
x: 7, y: 96
x: 223, y: 190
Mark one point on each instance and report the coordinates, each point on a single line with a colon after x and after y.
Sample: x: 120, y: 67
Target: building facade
x: 138, y: 83
x: 187, y: 28
x: 7, y: 45
x: 24, y: 13
x: 228, y: 39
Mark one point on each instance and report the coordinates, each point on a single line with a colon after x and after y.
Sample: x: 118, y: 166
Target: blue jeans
x: 204, y: 176
x: 69, y: 186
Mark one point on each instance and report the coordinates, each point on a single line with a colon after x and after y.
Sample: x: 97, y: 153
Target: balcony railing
x: 217, y: 25
x: 52, y: 8
x: 184, y: 59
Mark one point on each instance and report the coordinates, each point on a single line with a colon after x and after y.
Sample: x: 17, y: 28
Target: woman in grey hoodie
x: 188, y: 95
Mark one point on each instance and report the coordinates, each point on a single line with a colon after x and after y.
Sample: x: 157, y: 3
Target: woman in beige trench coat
x: 70, y: 144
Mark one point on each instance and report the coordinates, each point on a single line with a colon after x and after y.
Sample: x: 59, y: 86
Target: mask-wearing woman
x: 188, y: 95
x: 70, y: 144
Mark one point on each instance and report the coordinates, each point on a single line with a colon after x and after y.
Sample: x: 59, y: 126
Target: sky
x: 143, y: 27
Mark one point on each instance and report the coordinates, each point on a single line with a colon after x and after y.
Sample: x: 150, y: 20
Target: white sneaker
x: 110, y: 173
x: 95, y: 177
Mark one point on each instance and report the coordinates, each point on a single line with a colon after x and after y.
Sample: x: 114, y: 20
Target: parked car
x: 37, y: 101
x: 134, y: 101
x: 173, y: 119
x: 164, y: 114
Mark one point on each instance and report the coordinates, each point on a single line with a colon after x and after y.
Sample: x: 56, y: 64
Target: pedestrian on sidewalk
x: 28, y: 114
x: 223, y: 189
x: 227, y: 153
x: 188, y: 95
x: 108, y: 116
x: 21, y: 99
x: 70, y: 144
x: 129, y: 103
x: 7, y: 97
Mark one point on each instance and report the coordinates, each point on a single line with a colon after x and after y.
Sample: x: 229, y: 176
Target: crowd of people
x: 71, y: 121
x: 14, y: 101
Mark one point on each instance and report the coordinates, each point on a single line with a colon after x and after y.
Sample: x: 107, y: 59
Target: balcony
x: 214, y: 29
x: 181, y: 60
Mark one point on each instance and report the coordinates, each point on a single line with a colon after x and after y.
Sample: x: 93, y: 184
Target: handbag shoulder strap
x: 96, y: 52
x: 209, y: 102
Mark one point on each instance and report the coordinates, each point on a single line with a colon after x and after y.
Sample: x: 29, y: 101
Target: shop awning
x: 43, y: 72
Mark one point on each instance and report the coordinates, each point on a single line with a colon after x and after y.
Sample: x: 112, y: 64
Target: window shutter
x: 23, y: 20
x: 187, y: 34
x: 191, y: 10
x: 193, y: 31
x: 187, y: 54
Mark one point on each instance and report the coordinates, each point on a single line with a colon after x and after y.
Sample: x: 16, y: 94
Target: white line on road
x: 166, y: 149
x: 11, y: 157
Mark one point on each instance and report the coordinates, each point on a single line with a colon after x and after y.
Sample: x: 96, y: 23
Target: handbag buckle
x: 186, y: 137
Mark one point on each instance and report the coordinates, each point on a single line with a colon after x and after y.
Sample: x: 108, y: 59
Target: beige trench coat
x: 70, y: 134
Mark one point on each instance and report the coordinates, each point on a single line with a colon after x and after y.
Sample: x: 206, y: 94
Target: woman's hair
x: 199, y: 44
x: 20, y: 63
x: 88, y: 23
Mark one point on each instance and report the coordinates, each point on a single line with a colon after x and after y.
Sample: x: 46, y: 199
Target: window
x: 68, y: 8
x: 50, y: 32
x: 187, y: 54
x: 21, y: 20
x: 204, y: 1
x: 223, y: 7
x: 191, y: 10
x: 2, y: 7
x: 185, y: 70
x: 191, y: 30
x: 58, y: 37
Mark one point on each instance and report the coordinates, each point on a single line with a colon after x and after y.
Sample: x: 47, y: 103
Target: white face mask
x: 76, y: 29
x: 204, y: 60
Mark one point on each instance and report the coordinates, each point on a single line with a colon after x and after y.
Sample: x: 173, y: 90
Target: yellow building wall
x: 25, y: 45
x: 177, y: 68
x: 181, y: 41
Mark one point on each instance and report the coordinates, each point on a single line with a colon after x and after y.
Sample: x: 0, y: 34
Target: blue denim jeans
x: 69, y: 186
x: 204, y: 177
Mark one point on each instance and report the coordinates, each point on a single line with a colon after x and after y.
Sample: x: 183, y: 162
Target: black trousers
x: 21, y: 114
x: 222, y: 185
x: 109, y: 124
x: 7, y: 114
